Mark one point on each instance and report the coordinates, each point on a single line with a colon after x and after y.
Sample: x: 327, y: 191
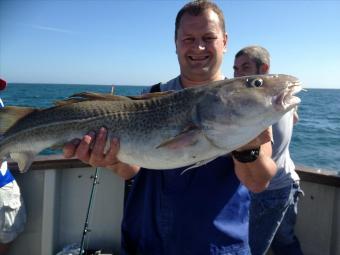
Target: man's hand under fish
x: 96, y: 156
x: 265, y: 137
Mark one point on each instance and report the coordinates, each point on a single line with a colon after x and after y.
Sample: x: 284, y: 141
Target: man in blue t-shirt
x: 204, y: 210
x: 12, y: 210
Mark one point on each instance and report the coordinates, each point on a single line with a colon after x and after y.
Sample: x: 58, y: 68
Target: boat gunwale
x: 56, y: 162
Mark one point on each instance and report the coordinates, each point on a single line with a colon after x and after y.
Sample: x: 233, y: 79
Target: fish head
x: 279, y: 89
x: 247, y: 105
x: 275, y: 91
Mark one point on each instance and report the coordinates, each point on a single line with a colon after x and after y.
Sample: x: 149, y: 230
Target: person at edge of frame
x: 205, y: 210
x: 12, y: 208
x: 273, y: 212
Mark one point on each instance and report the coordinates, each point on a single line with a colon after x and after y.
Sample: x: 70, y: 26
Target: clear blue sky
x: 131, y: 42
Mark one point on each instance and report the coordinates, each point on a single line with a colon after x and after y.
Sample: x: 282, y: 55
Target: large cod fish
x: 156, y: 131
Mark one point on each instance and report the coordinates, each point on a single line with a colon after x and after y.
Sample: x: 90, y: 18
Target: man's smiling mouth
x: 198, y: 58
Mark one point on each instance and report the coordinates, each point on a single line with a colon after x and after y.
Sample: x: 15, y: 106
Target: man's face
x: 200, y: 46
x: 244, y: 66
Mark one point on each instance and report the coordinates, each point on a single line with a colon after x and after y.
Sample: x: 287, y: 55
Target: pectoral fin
x: 24, y: 159
x: 198, y: 164
x: 186, y: 138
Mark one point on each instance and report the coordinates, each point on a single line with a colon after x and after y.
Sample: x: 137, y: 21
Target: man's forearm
x: 256, y: 175
x: 125, y: 171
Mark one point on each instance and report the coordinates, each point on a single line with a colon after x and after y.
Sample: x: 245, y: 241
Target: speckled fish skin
x: 182, y: 128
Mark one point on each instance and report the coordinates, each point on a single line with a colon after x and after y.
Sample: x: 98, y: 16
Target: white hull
x: 57, y: 194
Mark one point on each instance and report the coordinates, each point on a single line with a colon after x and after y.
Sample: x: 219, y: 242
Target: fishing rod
x: 86, y: 225
x: 95, y: 182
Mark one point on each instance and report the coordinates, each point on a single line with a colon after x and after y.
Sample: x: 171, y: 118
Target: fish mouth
x: 287, y: 100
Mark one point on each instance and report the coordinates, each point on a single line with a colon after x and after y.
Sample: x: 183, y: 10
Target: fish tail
x: 9, y: 115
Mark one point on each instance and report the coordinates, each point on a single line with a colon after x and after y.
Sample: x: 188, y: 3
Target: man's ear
x: 225, y: 42
x: 264, y: 69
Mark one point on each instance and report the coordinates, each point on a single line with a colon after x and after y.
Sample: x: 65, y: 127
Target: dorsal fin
x: 151, y: 95
x: 9, y: 115
x: 98, y: 96
x: 88, y: 96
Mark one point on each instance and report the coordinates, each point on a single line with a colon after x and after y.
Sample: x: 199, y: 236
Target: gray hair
x: 256, y: 53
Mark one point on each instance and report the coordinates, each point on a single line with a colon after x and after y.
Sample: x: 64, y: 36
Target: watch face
x: 247, y: 155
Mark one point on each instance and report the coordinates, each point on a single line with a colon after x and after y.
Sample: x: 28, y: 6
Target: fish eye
x: 255, y: 82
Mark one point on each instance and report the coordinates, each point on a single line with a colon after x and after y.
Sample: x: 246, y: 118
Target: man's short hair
x: 256, y: 53
x: 196, y: 8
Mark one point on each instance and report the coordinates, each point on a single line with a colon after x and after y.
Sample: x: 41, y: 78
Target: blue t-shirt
x: 5, y: 175
x: 202, y: 211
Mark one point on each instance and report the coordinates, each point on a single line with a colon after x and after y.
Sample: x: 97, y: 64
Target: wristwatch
x: 246, y: 156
